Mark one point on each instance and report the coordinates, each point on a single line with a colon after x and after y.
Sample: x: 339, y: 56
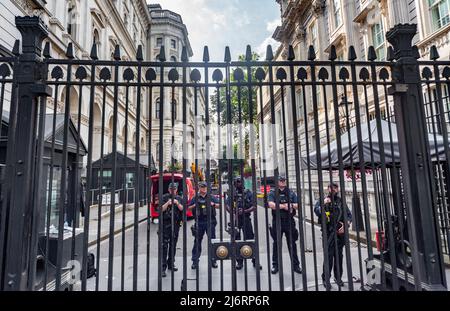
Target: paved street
x: 250, y: 280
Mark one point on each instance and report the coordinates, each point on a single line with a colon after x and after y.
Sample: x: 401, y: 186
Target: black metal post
x: 427, y: 261
x: 19, y: 183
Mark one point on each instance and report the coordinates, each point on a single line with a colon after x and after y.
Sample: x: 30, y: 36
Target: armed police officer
x: 242, y: 206
x: 288, y: 205
x: 172, y: 209
x: 335, y: 212
x: 200, y: 210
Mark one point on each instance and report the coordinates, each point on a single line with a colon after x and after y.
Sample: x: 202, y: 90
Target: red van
x: 167, y: 179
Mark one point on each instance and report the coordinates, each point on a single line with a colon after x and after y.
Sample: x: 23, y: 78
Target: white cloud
x: 220, y: 23
x: 261, y: 49
x: 272, y: 25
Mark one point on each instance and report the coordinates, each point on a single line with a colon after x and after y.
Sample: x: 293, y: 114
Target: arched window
x: 173, y: 59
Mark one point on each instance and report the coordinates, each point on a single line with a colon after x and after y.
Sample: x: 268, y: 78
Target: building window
x: 439, y: 13
x: 378, y: 40
x: 157, y: 108
x: 337, y: 13
x: 72, y: 16
x: 159, y: 42
x: 173, y: 44
x: 173, y: 59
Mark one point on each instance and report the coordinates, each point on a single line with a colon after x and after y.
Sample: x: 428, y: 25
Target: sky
x: 221, y: 23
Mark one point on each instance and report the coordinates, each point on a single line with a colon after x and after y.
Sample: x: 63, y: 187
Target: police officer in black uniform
x: 243, y: 209
x: 200, y: 212
x: 171, y: 202
x: 336, y: 212
x: 288, y: 206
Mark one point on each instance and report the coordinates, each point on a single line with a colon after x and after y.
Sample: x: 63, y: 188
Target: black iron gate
x: 77, y: 197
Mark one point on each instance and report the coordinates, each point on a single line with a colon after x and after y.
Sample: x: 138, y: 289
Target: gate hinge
x: 397, y: 88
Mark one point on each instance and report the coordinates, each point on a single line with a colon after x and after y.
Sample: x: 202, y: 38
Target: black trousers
x: 169, y: 246
x: 289, y: 230
x: 247, y: 232
x: 201, y: 228
x: 334, y: 260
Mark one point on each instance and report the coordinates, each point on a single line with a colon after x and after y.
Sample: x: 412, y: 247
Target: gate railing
x: 402, y: 158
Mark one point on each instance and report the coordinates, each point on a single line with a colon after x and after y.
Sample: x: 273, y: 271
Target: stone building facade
x: 82, y: 23
x: 168, y: 30
x: 342, y: 23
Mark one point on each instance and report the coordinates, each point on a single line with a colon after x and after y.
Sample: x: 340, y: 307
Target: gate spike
x: 69, y: 52
x: 46, y: 52
x: 372, y: 54
x: 434, y: 54
x: 416, y: 53
x: 139, y: 54
x: 311, y: 53
x: 332, y: 55
x: 291, y: 53
x: 205, y: 54
x: 117, y: 52
x: 352, y: 53
x: 269, y: 53
x: 390, y: 54
x: 162, y: 54
x: 248, y: 53
x: 94, y: 54
x: 184, y: 54
x: 16, y: 48
x: 227, y: 57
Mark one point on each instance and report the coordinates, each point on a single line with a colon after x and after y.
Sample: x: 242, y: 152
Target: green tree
x: 237, y: 106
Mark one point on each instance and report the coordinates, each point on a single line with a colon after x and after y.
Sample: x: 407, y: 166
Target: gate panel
x: 112, y: 138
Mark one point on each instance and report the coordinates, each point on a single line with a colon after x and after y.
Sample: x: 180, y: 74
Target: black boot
x: 172, y: 267
x: 238, y: 265
x: 274, y: 269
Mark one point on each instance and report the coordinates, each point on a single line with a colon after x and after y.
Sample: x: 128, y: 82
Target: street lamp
x: 344, y: 114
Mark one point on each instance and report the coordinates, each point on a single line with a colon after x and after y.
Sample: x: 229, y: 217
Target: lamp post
x: 344, y: 114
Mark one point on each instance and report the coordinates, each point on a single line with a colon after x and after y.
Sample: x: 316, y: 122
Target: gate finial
x: 93, y: 54
x: 117, y: 52
x: 291, y: 53
x: 248, y: 53
x: 227, y: 57
x: 69, y: 51
x: 311, y: 53
x: 434, y: 54
x: 352, y: 53
x: 139, y: 54
x: 46, y: 52
x: 206, y: 54
x: 162, y: 54
x: 184, y: 55
x: 332, y: 55
x: 269, y: 53
x: 371, y: 54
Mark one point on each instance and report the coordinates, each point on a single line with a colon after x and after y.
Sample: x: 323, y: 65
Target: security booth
x: 51, y: 203
x: 125, y: 190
